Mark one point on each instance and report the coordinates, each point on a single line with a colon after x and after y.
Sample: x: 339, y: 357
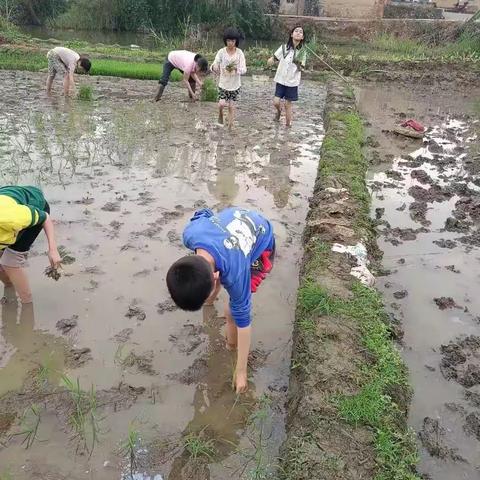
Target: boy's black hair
x: 232, y: 34
x: 290, y: 40
x: 85, y: 63
x: 190, y: 282
x: 202, y: 63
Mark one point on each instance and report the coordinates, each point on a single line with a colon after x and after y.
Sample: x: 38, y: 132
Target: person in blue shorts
x: 234, y: 248
x: 291, y: 58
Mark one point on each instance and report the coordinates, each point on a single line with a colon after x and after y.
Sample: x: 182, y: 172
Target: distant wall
x: 292, y: 7
x: 412, y: 11
x: 365, y: 29
x: 353, y: 8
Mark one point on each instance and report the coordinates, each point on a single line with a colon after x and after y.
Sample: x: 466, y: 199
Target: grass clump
x: 209, y: 91
x: 342, y: 157
x: 129, y: 448
x: 20, y: 59
x: 83, y: 419
x: 29, y: 426
x: 197, y: 446
x: 373, y: 405
x: 85, y: 93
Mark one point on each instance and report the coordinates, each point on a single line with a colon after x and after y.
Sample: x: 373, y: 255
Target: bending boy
x: 24, y: 212
x: 65, y: 62
x: 234, y: 248
x: 192, y: 65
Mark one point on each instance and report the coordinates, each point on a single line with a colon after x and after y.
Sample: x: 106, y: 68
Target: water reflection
x: 26, y: 348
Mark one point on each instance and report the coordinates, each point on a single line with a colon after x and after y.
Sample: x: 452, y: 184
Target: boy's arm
x: 197, y: 79
x: 53, y: 254
x: 69, y: 84
x: 240, y: 308
x: 244, y: 340
x: 186, y: 77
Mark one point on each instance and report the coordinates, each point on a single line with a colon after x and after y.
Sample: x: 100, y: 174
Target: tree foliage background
x: 170, y: 17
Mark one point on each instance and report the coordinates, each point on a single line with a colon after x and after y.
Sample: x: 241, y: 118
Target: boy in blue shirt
x: 234, y: 248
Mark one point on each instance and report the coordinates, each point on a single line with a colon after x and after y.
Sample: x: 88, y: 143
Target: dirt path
x: 122, y: 176
x: 425, y: 201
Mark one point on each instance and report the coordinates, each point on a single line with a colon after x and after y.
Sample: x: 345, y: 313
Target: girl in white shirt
x: 230, y: 65
x: 291, y: 58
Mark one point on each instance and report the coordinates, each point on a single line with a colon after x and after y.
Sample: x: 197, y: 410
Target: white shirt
x: 68, y: 57
x: 288, y: 73
x: 230, y: 80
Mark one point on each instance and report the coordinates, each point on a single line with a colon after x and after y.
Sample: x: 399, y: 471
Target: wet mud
x: 123, y: 175
x: 428, y: 235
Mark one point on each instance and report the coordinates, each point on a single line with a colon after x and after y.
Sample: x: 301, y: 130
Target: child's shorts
x: 261, y: 267
x: 228, y: 95
x: 288, y: 93
x: 55, y: 65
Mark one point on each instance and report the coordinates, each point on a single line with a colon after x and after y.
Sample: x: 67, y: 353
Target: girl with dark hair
x: 230, y: 64
x: 291, y: 57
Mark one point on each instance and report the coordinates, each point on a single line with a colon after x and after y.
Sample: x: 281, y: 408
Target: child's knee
x: 221, y: 103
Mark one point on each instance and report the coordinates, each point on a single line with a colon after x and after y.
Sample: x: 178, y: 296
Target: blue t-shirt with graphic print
x: 235, y: 238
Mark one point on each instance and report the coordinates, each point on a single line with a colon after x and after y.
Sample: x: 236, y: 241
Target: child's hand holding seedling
x: 231, y: 67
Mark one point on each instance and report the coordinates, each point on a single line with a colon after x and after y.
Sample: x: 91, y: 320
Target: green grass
x: 29, y: 426
x: 129, y: 448
x: 372, y: 406
x: 209, y: 91
x: 83, y: 416
x: 197, y: 446
x: 342, y: 158
x: 21, y: 59
x: 85, y: 93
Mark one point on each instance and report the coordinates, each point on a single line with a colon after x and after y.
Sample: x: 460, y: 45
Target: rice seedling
x: 197, y: 446
x: 83, y: 417
x: 85, y: 93
x: 129, y: 448
x: 30, y: 422
x: 209, y: 91
x: 142, y: 71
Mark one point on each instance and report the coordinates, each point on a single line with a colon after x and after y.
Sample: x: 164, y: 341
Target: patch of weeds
x: 83, y: 419
x: 85, y: 93
x: 313, y: 299
x: 396, y: 454
x: 209, y: 91
x: 318, y: 257
x: 129, y: 448
x: 29, y: 426
x: 197, y: 446
x: 343, y: 159
x: 372, y: 406
x: 45, y: 371
x: 20, y: 59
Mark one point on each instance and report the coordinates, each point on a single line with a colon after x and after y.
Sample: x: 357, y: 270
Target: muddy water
x: 432, y: 278
x: 122, y: 176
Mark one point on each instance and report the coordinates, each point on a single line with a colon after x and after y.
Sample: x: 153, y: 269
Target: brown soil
x: 461, y: 361
x: 433, y: 439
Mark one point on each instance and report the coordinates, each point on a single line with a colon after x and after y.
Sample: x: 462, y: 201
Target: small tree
x: 9, y: 9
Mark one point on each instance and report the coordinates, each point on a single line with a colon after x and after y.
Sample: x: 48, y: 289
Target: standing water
x: 123, y: 175
x: 426, y: 202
